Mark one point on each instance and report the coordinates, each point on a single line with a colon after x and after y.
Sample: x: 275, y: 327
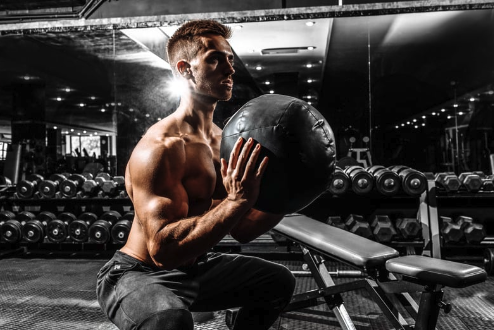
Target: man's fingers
x: 234, y: 154
x: 262, y: 167
x: 242, y: 158
x: 250, y: 166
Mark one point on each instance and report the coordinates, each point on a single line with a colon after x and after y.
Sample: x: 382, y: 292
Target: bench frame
x: 385, y: 289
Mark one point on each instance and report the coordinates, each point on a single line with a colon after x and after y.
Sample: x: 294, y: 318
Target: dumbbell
x: 340, y: 183
x: 11, y: 231
x: 387, y: 182
x: 112, y: 187
x: 487, y: 181
x: 362, y: 181
x: 129, y: 215
x: 6, y: 215
x: 408, y: 228
x: 70, y: 187
x: 90, y: 188
x: 79, y: 228
x: 382, y: 228
x: 58, y: 228
x: 120, y: 231
x: 447, y: 181
x: 336, y: 221
x: 474, y: 233
x: 49, y: 188
x: 33, y: 230
x: 451, y: 231
x: 356, y: 224
x: 102, y: 177
x: 27, y: 188
x: 471, y: 181
x: 413, y: 182
x: 100, y: 230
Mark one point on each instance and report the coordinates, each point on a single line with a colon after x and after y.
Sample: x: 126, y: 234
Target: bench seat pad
x: 437, y: 271
x: 335, y: 242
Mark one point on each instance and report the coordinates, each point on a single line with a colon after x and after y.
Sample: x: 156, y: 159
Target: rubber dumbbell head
x: 383, y: 228
x: 451, y: 231
x: 357, y: 225
x: 336, y: 221
x: 120, y: 231
x: 409, y: 228
x: 11, y: 231
x: 100, y: 232
x: 69, y: 187
x: 27, y: 188
x: 340, y: 183
x: 362, y: 181
x: 79, y: 228
x: 471, y: 181
x: 448, y: 181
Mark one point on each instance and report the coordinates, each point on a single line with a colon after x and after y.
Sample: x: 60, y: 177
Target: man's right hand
x: 241, y: 178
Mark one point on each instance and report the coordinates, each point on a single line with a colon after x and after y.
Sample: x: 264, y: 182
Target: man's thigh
x: 228, y: 281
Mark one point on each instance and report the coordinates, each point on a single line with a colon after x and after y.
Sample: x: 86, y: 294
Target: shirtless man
x: 186, y: 199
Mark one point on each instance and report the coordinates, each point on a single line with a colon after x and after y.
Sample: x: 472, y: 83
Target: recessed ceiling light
x: 67, y: 89
x: 455, y: 105
x: 81, y: 104
x: 271, y: 92
x: 442, y: 110
x: 238, y: 27
x: 258, y: 67
x: 147, y: 114
x: 472, y: 99
x: 311, y: 48
x: 26, y: 77
x: 311, y: 23
x: 103, y: 110
x: 310, y: 81
x: 59, y: 99
x: 309, y: 65
x: 267, y: 82
x: 55, y: 127
x: 460, y: 113
x: 424, y: 117
x: 93, y: 97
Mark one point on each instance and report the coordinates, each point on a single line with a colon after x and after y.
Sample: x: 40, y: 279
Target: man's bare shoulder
x: 162, y: 142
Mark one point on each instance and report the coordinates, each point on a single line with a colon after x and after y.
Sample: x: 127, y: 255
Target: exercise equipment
x: 26, y: 188
x: 408, y: 228
x: 470, y: 181
x: 473, y: 232
x: 450, y: 230
x: 362, y: 181
x: 120, y: 231
x: 70, y: 187
x: 90, y: 188
x: 336, y: 221
x: 78, y: 229
x: 413, y: 182
x: 49, y: 188
x: 382, y: 228
x: 340, y: 183
x: 356, y: 224
x: 299, y: 143
x: 34, y: 231
x: 112, y: 187
x: 447, y: 181
x: 11, y: 231
x: 387, y: 182
x: 100, y: 232
x: 389, y: 278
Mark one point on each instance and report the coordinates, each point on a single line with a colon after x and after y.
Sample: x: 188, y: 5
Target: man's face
x: 212, y: 69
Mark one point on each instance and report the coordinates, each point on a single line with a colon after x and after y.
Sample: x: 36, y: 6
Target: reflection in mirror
x: 409, y: 89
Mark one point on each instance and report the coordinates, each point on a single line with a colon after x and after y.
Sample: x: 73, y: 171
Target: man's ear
x: 183, y: 68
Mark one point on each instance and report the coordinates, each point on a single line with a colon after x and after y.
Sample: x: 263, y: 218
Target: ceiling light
x: 309, y: 65
x: 424, y: 117
x: 59, y: 99
x: 67, y: 89
x: 423, y: 124
x: 71, y: 129
x: 416, y: 126
x: 449, y: 117
x: 84, y: 132
x: 55, y: 127
x: 402, y: 124
x: 159, y: 118
x: 147, y: 114
x: 95, y: 133
x: 309, y: 102
x: 81, y: 104
x: 27, y: 77
x: 271, y: 92
x: 490, y: 92
x: 267, y: 82
x: 460, y: 113
x: 397, y: 126
x: 408, y: 123
x: 309, y: 97
x: 310, y: 23
x: 311, y: 48
x: 442, y: 110
x: 238, y: 27
x: 455, y: 105
x: 415, y: 120
x: 78, y: 133
x: 472, y: 99
x: 131, y: 110
x: 433, y: 113
x: 309, y: 80
x: 103, y: 110
x: 258, y: 67
x: 93, y: 97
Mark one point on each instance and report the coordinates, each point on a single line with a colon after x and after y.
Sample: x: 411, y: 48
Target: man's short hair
x: 186, y: 42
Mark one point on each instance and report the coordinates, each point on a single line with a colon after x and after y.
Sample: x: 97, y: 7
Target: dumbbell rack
x: 57, y: 206
x: 477, y: 205
x: 370, y: 205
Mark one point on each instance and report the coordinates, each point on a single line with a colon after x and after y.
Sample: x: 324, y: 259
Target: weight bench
x: 389, y: 278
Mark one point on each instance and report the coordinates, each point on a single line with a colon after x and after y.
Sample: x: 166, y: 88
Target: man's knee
x: 171, y: 319
x: 287, y: 283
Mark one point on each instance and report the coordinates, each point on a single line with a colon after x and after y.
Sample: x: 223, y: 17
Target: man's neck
x: 197, y: 113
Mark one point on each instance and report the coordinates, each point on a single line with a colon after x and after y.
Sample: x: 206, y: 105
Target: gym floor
x: 56, y: 291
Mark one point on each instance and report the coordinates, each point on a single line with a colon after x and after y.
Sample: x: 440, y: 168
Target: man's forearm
x: 188, y: 238
x: 253, y: 224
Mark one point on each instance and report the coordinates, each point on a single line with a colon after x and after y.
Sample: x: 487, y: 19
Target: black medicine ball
x: 299, y: 143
